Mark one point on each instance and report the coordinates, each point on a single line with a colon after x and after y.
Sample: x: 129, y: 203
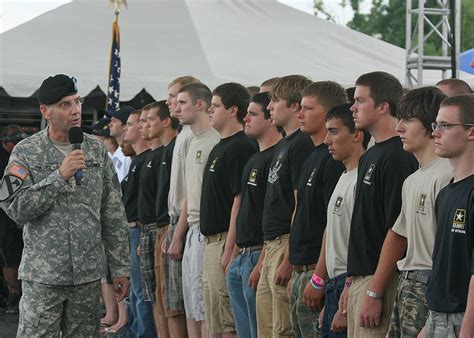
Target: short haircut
x: 465, y: 103
x: 384, y: 87
x: 148, y: 106
x: 234, y: 94
x: 253, y: 90
x: 289, y: 88
x: 198, y: 91
x: 350, y: 94
x: 456, y: 86
x: 262, y: 99
x: 163, y: 112
x: 270, y: 82
x: 343, y: 112
x: 136, y: 112
x: 328, y: 93
x: 183, y: 81
x: 422, y: 104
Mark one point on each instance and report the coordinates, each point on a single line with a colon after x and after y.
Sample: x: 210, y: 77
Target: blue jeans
x: 334, y: 288
x: 141, y: 322
x: 242, y: 297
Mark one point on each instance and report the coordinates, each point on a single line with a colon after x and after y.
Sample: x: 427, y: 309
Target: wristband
x: 318, y: 281
x: 374, y: 295
x: 348, y: 284
x: 315, y: 286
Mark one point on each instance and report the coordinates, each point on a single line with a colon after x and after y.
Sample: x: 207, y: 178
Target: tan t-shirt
x: 196, y: 159
x: 338, y: 227
x: 417, y: 221
x: 177, y: 192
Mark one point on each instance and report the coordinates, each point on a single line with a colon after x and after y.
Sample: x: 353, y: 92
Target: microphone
x: 76, y: 137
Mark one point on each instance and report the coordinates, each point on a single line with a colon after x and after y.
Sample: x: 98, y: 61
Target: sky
x: 16, y: 12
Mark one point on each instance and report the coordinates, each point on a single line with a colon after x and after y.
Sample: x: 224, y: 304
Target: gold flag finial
x: 117, y: 4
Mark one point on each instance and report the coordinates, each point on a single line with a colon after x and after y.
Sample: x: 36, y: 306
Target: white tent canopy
x: 245, y: 41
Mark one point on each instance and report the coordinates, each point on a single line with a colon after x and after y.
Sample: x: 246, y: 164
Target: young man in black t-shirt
x: 450, y: 292
x: 220, y: 200
x: 147, y: 190
x: 141, y: 321
x: 244, y: 272
x: 381, y: 173
x: 318, y: 177
x: 273, y: 308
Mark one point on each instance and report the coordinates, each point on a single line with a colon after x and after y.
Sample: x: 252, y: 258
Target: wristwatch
x: 373, y: 294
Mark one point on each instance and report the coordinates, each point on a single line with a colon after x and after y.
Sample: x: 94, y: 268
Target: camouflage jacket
x: 70, y: 232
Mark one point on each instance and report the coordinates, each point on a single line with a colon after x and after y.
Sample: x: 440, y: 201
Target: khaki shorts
x: 161, y: 276
x: 273, y: 304
x: 357, y: 295
x: 219, y: 317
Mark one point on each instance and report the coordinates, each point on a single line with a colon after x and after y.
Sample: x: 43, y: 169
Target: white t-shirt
x: 198, y: 153
x: 121, y: 163
x: 417, y: 219
x: 338, y: 227
x: 177, y: 192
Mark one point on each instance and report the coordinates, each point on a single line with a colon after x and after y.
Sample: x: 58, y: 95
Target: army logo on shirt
x: 337, y: 206
x: 198, y: 157
x: 273, y: 172
x: 253, y: 177
x: 310, y: 179
x: 213, y: 165
x: 368, y: 174
x: 459, y: 221
x: 421, y: 203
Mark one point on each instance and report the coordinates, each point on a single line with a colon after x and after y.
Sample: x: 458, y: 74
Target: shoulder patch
x: 9, y: 185
x: 18, y: 171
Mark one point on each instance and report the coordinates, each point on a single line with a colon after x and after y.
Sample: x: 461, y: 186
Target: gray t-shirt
x: 338, y: 227
x: 177, y: 192
x: 196, y: 159
x: 417, y: 220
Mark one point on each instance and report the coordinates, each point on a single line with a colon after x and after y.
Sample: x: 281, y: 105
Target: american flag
x: 113, y: 92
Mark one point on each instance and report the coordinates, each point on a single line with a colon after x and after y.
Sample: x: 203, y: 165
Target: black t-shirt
x: 162, y: 217
x: 221, y: 181
x: 290, y: 154
x: 319, y: 176
x: 381, y: 173
x: 254, y: 186
x: 130, y: 186
x: 453, y: 254
x: 148, y: 186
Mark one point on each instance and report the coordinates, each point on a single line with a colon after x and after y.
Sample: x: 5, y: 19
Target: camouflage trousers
x: 410, y: 309
x: 305, y: 322
x: 59, y: 310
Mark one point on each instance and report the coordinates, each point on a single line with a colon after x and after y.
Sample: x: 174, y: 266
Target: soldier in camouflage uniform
x: 70, y: 231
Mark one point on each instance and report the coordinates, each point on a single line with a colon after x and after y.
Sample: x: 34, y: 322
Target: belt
x: 303, y: 268
x: 216, y: 237
x: 421, y: 276
x: 250, y: 249
x: 150, y: 226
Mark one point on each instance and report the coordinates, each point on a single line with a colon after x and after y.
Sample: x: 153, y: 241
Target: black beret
x: 122, y: 113
x: 54, y: 88
x: 101, y: 127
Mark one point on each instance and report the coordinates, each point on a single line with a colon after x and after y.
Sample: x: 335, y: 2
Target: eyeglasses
x: 66, y: 105
x: 446, y: 126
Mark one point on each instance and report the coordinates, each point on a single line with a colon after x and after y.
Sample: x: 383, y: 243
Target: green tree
x: 386, y: 21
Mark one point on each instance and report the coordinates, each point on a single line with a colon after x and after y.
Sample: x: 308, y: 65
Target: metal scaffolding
x: 422, y: 23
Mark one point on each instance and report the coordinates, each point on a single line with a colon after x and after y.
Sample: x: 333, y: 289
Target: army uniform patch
x: 18, y: 171
x: 199, y: 157
x: 213, y: 165
x: 253, y: 177
x: 459, y: 221
x: 9, y: 185
x: 368, y: 174
x: 310, y: 179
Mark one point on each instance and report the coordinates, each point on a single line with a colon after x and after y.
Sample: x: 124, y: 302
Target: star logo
x: 421, y: 203
x: 459, y: 221
x: 253, y: 177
